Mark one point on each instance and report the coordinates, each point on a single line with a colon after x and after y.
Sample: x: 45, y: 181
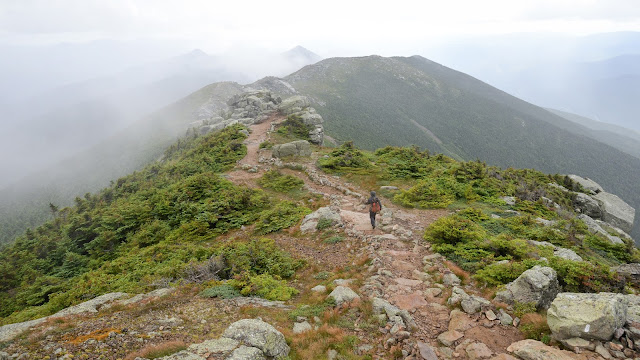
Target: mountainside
x: 621, y: 138
x: 245, y: 250
x: 400, y: 101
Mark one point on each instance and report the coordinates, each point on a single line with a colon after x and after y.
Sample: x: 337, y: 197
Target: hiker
x: 375, y: 208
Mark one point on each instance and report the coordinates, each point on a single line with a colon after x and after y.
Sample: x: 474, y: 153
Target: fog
x: 74, y: 73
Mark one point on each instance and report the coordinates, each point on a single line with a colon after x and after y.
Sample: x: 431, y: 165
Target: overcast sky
x: 328, y: 27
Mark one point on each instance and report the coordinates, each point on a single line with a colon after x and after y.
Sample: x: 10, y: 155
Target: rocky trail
x: 425, y: 310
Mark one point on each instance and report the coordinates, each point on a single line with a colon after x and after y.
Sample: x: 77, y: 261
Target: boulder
x: 299, y: 328
x: 587, y: 205
x: 246, y: 353
x: 259, y: 334
x: 310, y: 222
x: 316, y: 136
x: 342, y: 294
x: 426, y: 351
x: 595, y: 228
x: 293, y: 104
x: 538, y: 285
x: 588, y: 316
x: 448, y: 338
x: 311, y: 118
x: 537, y: 350
x: 474, y: 304
x: 567, y: 254
x: 588, y: 184
x: 381, y: 306
x: 631, y: 272
x: 510, y: 200
x: 182, y: 355
x: 294, y: 148
x: 633, y: 308
x: 222, y: 346
x: 450, y: 279
x: 615, y: 211
x: 478, y: 351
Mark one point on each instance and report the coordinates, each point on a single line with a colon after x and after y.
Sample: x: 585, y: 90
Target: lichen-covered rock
x: 293, y: 104
x: 538, y: 285
x: 183, y: 355
x: 381, y: 306
x: 259, y: 334
x: 328, y: 213
x: 294, y: 148
x: 587, y: 205
x: 594, y: 227
x: 342, y: 294
x: 615, y: 211
x: 222, y: 346
x: 536, y: 350
x: 567, y: 254
x: 631, y: 272
x: 247, y: 353
x: 299, y: 328
x: 588, y: 316
x: 450, y: 279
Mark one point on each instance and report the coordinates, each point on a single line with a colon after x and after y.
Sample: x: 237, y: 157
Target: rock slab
x: 259, y: 334
x: 536, y: 350
x: 538, y: 285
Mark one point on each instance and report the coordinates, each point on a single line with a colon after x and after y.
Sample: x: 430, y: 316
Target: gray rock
x: 10, y: 331
x: 332, y: 354
x: 310, y: 221
x: 299, y: 328
x: 595, y: 228
x: 389, y: 188
x: 294, y: 148
x: 588, y: 316
x: 257, y: 333
x: 381, y: 306
x: 247, y: 353
x: 536, y: 350
x: 602, y: 351
x: 633, y: 308
x: 448, y: 338
x: 4, y: 356
x: 586, y: 183
x: 505, y: 319
x: 182, y: 355
x: 457, y: 295
x: 222, y: 346
x: 474, y: 304
x: 316, y: 135
x: 311, y: 118
x: 319, y: 289
x: 578, y: 344
x: 630, y: 271
x: 615, y: 211
x: 450, y: 279
x: 567, y: 254
x: 510, y: 200
x: 90, y: 306
x: 153, y: 294
x: 587, y: 205
x: 426, y: 351
x: 342, y: 294
x: 293, y: 104
x: 538, y: 285
x: 545, y: 222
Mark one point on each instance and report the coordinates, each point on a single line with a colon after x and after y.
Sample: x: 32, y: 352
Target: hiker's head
x: 373, y: 193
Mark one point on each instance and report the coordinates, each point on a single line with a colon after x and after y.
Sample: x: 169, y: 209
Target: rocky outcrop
x: 587, y: 205
x: 257, y: 105
x: 327, y: 213
x: 258, y: 334
x: 587, y: 316
x: 538, y: 285
x: 591, y: 186
x: 594, y: 227
x: 294, y: 104
x: 615, y: 211
x: 295, y: 148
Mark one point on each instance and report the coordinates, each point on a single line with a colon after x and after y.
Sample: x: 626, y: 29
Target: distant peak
x: 196, y: 53
x: 302, y: 52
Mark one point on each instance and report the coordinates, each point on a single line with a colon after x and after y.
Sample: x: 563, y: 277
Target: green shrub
x: 258, y: 256
x: 334, y: 240
x: 346, y: 156
x: 224, y: 291
x: 452, y: 230
x: 284, y: 215
x: 405, y: 162
x: 265, y: 145
x: 294, y: 127
x: 498, y: 274
x: 427, y: 194
x: 324, y: 223
x: 276, y: 181
x: 268, y: 287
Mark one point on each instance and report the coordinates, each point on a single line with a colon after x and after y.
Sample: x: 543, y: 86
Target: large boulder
x: 588, y: 184
x: 259, y: 334
x: 615, y: 211
x: 295, y: 148
x: 588, y: 316
x: 327, y: 213
x: 293, y: 104
x: 538, y: 285
x: 587, y: 205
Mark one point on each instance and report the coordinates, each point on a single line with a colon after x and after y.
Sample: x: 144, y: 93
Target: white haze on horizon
x: 49, y: 47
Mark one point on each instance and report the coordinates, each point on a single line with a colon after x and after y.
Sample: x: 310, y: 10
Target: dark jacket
x: 373, y: 199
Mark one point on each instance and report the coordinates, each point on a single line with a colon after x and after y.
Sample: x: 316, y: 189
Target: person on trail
x: 375, y: 208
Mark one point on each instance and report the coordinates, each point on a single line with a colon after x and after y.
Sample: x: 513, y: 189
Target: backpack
x: 375, y: 206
